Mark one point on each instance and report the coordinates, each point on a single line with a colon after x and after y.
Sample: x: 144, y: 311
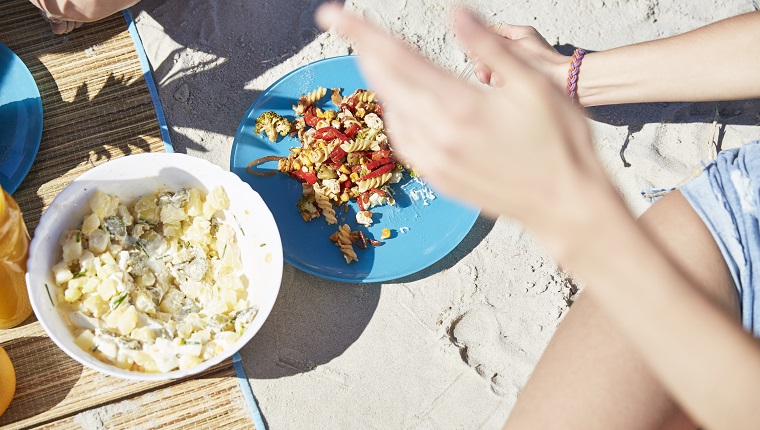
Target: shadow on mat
x: 233, y: 54
x: 101, y: 115
x: 44, y: 378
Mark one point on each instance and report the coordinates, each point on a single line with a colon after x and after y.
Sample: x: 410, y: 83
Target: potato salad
x: 154, y: 285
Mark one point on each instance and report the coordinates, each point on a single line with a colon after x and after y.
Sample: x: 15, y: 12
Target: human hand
x: 521, y: 149
x: 526, y: 43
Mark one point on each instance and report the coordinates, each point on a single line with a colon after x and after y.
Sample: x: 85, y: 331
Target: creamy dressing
x: 155, y: 286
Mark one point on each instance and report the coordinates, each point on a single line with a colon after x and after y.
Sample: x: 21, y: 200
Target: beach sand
x: 449, y: 347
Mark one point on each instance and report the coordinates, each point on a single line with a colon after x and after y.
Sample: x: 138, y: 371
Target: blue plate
x: 20, y: 120
x: 425, y: 225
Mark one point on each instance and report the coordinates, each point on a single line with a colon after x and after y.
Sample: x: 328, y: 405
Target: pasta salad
x: 154, y: 285
x: 344, y: 155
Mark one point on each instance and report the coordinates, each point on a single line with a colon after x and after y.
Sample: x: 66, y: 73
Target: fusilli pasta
x: 343, y: 241
x: 344, y: 155
x: 375, y: 182
x: 323, y: 202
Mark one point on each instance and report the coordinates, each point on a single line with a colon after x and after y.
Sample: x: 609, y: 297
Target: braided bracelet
x: 572, y: 74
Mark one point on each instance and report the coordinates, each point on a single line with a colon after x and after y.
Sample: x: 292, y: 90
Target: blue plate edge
x: 474, y: 213
x: 37, y: 139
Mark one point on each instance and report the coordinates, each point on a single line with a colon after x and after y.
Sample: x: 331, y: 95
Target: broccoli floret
x: 272, y: 124
x: 307, y: 207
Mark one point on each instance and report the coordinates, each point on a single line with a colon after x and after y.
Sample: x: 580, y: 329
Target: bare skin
x: 66, y: 15
x: 625, y: 74
x: 592, y: 363
x: 549, y: 179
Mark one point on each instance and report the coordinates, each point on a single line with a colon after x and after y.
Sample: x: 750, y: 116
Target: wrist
x: 584, y: 214
x: 559, y: 69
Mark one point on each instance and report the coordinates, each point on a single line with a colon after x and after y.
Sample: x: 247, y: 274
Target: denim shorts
x: 726, y: 195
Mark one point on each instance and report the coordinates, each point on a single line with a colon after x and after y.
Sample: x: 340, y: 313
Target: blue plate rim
x: 474, y: 213
x: 29, y: 158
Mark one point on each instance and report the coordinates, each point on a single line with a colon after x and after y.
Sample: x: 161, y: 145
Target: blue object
x: 148, y: 76
x: 727, y: 198
x: 20, y: 120
x: 425, y: 225
x: 245, y: 387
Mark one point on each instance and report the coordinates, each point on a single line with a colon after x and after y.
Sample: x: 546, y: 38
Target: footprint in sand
x: 477, y: 334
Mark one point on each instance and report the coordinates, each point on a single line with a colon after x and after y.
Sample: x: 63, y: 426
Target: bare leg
x: 589, y: 376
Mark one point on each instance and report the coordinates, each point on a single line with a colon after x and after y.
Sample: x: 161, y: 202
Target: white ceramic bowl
x: 128, y: 178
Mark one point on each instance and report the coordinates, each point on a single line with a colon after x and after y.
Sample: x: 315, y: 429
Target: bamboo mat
x: 96, y: 106
x: 54, y: 391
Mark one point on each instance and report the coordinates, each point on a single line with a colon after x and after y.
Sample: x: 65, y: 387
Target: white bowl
x: 128, y: 178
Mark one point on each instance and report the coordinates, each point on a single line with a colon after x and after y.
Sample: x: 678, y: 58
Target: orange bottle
x: 14, y: 250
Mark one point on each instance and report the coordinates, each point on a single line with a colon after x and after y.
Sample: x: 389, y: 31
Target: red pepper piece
x: 379, y: 172
x: 337, y: 154
x: 379, y: 110
x: 360, y: 201
x: 330, y: 133
x: 380, y: 154
x: 352, y: 130
x: 310, y: 117
x: 357, y: 168
x: 302, y: 176
x: 372, y: 165
x: 379, y: 192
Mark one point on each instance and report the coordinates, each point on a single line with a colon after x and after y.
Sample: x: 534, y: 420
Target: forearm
x: 83, y: 10
x: 692, y: 346
x: 716, y: 62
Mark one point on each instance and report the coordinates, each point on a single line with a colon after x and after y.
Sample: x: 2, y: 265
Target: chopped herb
x: 117, y: 301
x: 80, y: 274
x: 182, y: 341
x: 142, y: 221
x: 192, y: 342
x: 262, y: 245
x: 142, y: 247
x: 79, y: 236
x: 238, y: 223
x: 225, y: 250
x: 49, y: 296
x: 95, y: 348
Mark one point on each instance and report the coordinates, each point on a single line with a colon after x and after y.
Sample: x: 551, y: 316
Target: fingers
x: 486, y: 76
x: 483, y: 74
x: 373, y: 42
x: 64, y: 27
x: 513, y: 32
x: 488, y: 48
x: 58, y: 27
x: 405, y: 80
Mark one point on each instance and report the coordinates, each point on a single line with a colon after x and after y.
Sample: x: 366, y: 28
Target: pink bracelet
x: 572, y: 75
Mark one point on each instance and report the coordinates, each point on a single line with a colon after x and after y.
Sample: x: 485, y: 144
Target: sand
x: 451, y: 346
